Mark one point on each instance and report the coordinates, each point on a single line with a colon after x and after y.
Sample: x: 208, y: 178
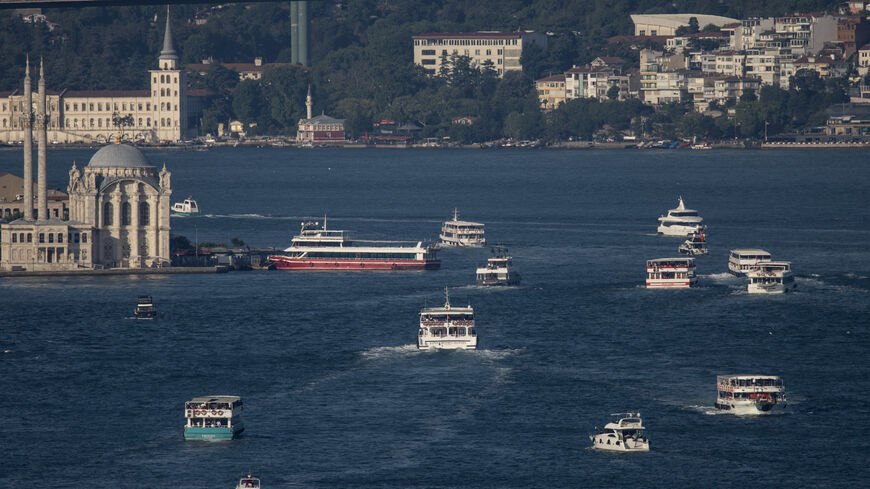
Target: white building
x: 499, y: 50
x: 667, y: 24
x: 157, y: 114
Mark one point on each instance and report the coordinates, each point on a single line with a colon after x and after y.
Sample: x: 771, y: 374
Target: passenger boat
x: 625, y: 433
x: 743, y: 260
x: 145, y: 308
x: 498, y: 269
x: 447, y: 327
x: 462, y: 233
x: 750, y: 394
x: 770, y: 277
x: 680, y: 221
x: 695, y: 245
x: 249, y: 482
x: 186, y: 208
x: 213, y: 418
x: 672, y: 273
x: 321, y: 249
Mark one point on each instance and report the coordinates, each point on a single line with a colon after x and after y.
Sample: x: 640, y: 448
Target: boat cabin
x: 741, y: 261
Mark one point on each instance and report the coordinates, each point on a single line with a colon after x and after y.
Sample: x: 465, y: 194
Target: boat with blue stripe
x: 213, y: 418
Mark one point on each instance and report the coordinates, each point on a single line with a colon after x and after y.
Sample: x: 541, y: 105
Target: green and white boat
x: 213, y: 418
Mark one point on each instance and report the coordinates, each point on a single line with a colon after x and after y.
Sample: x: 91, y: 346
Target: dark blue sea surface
x: 336, y: 394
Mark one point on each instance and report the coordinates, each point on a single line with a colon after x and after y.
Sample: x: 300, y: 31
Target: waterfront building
x: 499, y: 50
x: 12, y: 198
x: 95, y: 116
x: 667, y: 24
x: 322, y: 129
x: 126, y: 201
x: 864, y: 60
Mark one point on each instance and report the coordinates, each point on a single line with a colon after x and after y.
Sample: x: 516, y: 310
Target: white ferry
x: 498, y: 270
x: 447, y: 327
x: 462, y: 233
x: 671, y: 273
x: 680, y: 221
x: 750, y: 394
x: 770, y: 277
x: 742, y: 260
x: 695, y: 245
x: 186, y: 208
x: 213, y: 418
x: 145, y: 308
x: 249, y: 482
x: 625, y: 433
x: 322, y: 249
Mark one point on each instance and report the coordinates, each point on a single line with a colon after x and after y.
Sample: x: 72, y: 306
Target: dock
x: 116, y: 271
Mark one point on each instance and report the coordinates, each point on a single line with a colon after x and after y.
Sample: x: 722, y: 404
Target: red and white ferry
x: 318, y: 249
x: 672, y: 273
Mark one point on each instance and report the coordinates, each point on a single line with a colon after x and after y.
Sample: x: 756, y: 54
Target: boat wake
x: 387, y: 352
x: 721, y: 277
x: 702, y: 409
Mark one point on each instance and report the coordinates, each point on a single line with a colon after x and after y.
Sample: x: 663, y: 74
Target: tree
x: 613, y: 92
x: 248, y: 101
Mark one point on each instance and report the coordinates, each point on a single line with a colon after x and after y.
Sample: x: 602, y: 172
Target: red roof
x: 552, y: 78
x: 472, y: 35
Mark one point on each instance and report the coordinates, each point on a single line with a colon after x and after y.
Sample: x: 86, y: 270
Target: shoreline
x: 116, y: 271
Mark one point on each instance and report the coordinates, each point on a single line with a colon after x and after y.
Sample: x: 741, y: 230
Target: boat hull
x: 671, y: 283
x: 612, y: 443
x: 447, y: 343
x: 770, y: 288
x: 462, y: 243
x: 327, y: 264
x: 216, y: 434
x: 679, y: 230
x: 750, y: 408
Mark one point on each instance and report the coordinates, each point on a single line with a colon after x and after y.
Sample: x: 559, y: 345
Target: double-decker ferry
x: 680, y: 221
x: 672, y: 273
x: 625, y: 433
x: 498, y: 270
x: 462, y: 233
x: 750, y: 394
x: 447, y: 327
x: 742, y: 260
x: 145, y: 308
x: 213, y: 418
x: 770, y: 277
x: 322, y: 249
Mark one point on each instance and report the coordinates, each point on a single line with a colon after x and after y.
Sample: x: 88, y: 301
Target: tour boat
x: 462, y: 233
x: 770, y: 277
x: 213, y: 418
x: 145, y: 308
x: 625, y: 433
x: 447, y: 327
x: 671, y: 273
x: 680, y: 221
x: 695, y: 245
x: 498, y: 270
x: 319, y: 249
x: 186, y: 208
x: 743, y: 260
x: 750, y: 394
x: 249, y: 482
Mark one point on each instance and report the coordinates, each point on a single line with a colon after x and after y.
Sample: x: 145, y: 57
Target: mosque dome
x: 119, y: 156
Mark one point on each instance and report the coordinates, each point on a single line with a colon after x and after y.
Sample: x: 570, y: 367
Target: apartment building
x: 551, y: 91
x: 499, y: 50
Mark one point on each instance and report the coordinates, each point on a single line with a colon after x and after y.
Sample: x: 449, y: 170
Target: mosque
x: 159, y: 114
x: 118, y: 207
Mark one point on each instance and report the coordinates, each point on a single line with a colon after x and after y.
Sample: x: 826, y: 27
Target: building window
x: 92, y: 123
x: 76, y: 237
x: 108, y: 214
x: 99, y: 122
x: 84, y: 238
x: 140, y: 106
x: 29, y: 237
x: 148, y: 122
x: 144, y: 214
x: 14, y: 238
x: 148, y: 106
x: 60, y: 237
x: 125, y: 214
x: 140, y: 122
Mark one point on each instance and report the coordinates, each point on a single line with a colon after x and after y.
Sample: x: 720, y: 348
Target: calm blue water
x: 337, y: 395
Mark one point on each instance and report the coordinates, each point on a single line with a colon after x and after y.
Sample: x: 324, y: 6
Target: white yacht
x: 625, y: 433
x: 742, y: 260
x: 249, y: 482
x: 186, y: 208
x: 498, y: 270
x: 750, y: 394
x: 447, y: 327
x: 671, y: 273
x: 694, y: 245
x: 680, y: 221
x: 462, y: 233
x: 770, y: 277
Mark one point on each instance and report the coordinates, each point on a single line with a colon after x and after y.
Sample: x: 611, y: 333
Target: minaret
x: 27, y: 124
x: 41, y: 120
x: 309, y: 102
